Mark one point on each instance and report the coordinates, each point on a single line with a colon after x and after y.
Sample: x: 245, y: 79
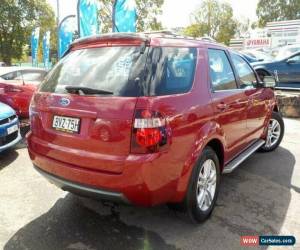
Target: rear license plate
x: 66, y: 124
x: 12, y: 129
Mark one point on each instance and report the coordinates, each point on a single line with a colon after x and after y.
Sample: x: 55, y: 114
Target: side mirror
x: 290, y: 61
x: 269, y: 82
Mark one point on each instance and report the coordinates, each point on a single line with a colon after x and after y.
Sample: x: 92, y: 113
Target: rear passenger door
x: 229, y: 102
x: 257, y: 105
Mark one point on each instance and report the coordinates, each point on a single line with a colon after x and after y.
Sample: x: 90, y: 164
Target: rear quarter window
x: 170, y: 70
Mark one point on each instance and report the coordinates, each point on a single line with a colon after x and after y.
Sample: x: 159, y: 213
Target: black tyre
x: 203, y: 188
x: 275, y: 133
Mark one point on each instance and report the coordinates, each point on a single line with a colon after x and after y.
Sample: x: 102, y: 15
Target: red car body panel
x: 20, y: 100
x: 100, y: 155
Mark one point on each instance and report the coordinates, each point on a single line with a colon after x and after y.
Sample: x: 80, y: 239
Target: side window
x: 221, y: 73
x: 171, y: 70
x: 29, y: 75
x: 15, y: 75
x: 244, y: 71
x: 295, y: 58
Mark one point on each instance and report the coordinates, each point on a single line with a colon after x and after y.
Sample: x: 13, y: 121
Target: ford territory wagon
x: 148, y: 119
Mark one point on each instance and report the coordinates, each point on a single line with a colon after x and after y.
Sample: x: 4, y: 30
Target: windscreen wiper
x: 86, y: 91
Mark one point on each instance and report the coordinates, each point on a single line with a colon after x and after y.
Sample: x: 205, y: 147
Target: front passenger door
x: 257, y: 99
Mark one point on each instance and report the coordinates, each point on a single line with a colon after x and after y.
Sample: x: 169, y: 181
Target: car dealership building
x: 275, y: 34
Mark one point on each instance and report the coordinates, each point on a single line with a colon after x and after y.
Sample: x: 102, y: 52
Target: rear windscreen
x: 125, y: 71
x: 112, y: 69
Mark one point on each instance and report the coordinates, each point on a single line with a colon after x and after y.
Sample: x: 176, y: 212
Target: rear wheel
x: 275, y: 133
x: 203, y: 187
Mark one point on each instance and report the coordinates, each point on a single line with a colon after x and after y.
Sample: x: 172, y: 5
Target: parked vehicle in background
x: 258, y: 55
x: 9, y: 127
x: 2, y: 64
x: 250, y: 59
x: 184, y: 111
x: 286, y: 51
x: 286, y: 71
x: 17, y: 85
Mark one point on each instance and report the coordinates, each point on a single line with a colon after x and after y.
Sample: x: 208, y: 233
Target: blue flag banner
x: 88, y: 17
x: 124, y: 16
x: 66, y: 31
x: 46, y: 49
x: 35, y: 45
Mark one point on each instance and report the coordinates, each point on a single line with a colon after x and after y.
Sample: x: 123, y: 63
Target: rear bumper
x: 146, y: 180
x: 82, y: 189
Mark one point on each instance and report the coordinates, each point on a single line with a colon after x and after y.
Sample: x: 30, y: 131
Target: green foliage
x: 277, y: 10
x: 147, y: 11
x: 17, y: 20
x: 195, y: 30
x: 213, y: 19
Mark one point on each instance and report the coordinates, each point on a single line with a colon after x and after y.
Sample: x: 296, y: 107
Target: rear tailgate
x: 103, y: 140
x: 95, y: 90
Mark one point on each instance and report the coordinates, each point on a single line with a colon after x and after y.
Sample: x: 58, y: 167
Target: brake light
x: 148, y: 137
x: 150, y: 133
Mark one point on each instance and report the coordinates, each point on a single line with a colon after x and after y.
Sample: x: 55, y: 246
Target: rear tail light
x: 12, y: 89
x: 150, y: 133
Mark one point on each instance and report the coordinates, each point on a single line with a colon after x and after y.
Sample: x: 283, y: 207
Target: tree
x: 213, y: 19
x: 147, y: 12
x: 277, y: 10
x: 17, y: 20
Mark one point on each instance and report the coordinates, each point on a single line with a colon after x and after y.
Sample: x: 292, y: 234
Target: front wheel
x: 275, y: 133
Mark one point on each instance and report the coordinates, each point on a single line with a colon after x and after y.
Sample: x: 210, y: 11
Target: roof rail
x: 163, y: 32
x: 167, y: 33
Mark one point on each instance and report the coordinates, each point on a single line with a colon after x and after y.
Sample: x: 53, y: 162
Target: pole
x: 115, y: 28
x: 57, y: 25
x: 78, y: 17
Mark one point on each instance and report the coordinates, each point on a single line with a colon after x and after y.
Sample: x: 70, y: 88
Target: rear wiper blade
x: 86, y: 91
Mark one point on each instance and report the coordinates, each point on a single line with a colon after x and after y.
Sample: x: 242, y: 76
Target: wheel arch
x: 214, y: 139
x: 218, y: 147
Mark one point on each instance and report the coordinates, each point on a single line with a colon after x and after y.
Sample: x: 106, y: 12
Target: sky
x: 176, y: 13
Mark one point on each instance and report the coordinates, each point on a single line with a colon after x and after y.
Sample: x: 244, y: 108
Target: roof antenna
x: 22, y: 77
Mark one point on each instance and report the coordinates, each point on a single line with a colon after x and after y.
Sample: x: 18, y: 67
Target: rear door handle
x: 222, y: 106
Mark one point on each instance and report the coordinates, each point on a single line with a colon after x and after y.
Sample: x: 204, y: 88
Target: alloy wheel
x: 274, y: 132
x: 206, y: 186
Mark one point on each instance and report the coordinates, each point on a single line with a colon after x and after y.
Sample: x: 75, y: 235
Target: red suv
x: 17, y: 85
x: 148, y: 119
